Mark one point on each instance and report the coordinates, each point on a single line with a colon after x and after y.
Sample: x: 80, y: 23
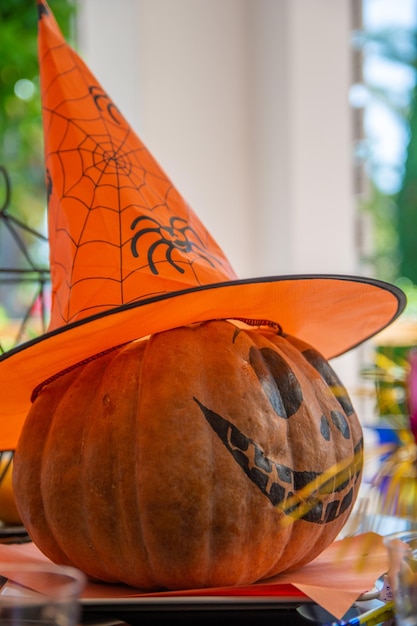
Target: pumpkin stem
x: 269, y: 323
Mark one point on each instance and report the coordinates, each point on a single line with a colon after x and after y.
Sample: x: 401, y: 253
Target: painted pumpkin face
x: 206, y: 455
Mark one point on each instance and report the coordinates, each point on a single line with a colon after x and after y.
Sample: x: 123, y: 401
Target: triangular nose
x: 119, y: 231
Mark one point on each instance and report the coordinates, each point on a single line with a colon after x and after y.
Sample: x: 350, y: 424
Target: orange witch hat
x: 130, y: 258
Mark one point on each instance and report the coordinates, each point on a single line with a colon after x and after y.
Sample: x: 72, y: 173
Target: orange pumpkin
x: 200, y: 456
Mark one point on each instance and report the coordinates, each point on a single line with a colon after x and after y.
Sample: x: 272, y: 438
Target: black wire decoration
x: 28, y: 272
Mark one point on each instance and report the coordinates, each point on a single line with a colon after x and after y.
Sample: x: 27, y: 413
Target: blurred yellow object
x: 8, y: 511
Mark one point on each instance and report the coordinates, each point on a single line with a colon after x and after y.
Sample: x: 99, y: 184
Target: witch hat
x: 129, y: 257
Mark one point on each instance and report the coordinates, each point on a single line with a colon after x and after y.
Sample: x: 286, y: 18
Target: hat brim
x: 333, y: 313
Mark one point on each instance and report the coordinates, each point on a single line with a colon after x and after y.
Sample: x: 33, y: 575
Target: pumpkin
x: 187, y: 459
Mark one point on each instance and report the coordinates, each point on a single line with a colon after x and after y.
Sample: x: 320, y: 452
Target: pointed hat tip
x: 43, y: 8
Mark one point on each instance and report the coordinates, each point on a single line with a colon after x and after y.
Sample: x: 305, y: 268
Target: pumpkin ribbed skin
x: 169, y: 462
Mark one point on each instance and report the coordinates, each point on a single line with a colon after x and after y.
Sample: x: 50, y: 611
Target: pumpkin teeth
x: 336, y: 479
x: 296, y: 493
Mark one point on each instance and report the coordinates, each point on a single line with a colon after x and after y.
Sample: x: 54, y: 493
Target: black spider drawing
x: 98, y: 95
x: 179, y: 235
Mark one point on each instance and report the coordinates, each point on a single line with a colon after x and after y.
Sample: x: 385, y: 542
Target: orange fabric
x: 130, y: 258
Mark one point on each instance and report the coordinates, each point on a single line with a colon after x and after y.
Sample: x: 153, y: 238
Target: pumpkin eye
x: 325, y: 428
x: 341, y: 423
x: 278, y: 381
x: 330, y: 378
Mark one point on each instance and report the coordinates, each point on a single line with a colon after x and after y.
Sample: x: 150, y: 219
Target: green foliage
x: 21, y: 139
x: 407, y: 204
x: 394, y: 215
x: 384, y: 257
x: 22, y: 163
x: 410, y: 290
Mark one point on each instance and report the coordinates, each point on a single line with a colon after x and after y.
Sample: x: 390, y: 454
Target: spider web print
x: 118, y: 230
x: 24, y: 284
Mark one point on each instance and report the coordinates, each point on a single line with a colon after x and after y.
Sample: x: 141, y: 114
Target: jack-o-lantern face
x: 207, y: 455
x: 279, y: 482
